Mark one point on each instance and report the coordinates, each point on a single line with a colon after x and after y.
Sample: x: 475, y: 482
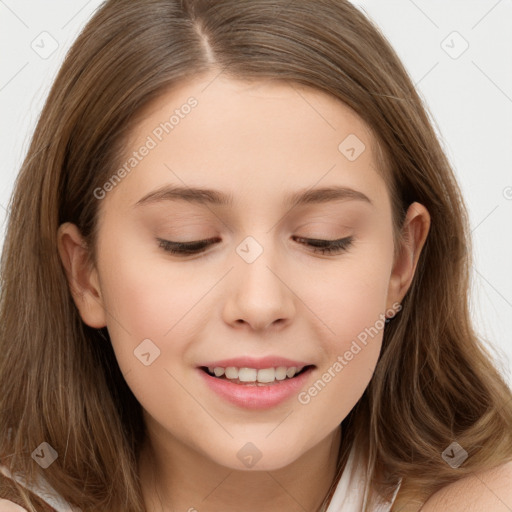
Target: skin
x: 489, y: 489
x: 258, y: 141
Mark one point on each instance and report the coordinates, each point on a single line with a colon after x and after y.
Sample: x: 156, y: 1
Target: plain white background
x: 459, y: 55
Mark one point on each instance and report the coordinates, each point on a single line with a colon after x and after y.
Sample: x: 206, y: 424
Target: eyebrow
x: 216, y: 197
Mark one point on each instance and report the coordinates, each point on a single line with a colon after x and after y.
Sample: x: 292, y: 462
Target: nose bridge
x: 258, y: 256
x: 260, y: 295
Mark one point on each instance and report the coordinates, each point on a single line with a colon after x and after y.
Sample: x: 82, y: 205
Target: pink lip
x: 252, y: 396
x: 258, y: 364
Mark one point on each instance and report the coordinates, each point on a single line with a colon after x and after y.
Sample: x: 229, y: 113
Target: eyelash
x: 319, y: 246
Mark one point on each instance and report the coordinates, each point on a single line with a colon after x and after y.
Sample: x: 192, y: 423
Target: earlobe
x: 82, y: 279
x: 415, y: 230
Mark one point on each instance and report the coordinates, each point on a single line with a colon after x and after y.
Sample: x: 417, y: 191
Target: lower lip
x: 254, y: 396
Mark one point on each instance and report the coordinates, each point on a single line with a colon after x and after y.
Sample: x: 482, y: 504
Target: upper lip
x: 257, y: 363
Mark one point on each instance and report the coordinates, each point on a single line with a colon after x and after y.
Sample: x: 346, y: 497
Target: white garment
x: 350, y: 495
x: 43, y: 490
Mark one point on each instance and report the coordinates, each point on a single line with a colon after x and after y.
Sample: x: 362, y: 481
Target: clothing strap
x: 9, y: 491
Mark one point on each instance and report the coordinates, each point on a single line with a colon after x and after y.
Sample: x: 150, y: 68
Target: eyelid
x: 331, y: 247
x: 184, y: 247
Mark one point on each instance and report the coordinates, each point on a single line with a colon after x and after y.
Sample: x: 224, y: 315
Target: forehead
x: 248, y: 136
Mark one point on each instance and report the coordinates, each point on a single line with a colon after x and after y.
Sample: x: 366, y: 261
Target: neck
x: 176, y: 477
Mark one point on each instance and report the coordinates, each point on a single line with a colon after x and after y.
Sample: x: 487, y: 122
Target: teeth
x: 265, y: 375
x: 281, y: 373
x: 291, y: 372
x: 231, y: 372
x: 219, y: 372
x: 247, y: 374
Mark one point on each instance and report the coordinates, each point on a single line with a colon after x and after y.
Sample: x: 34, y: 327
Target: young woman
x: 235, y: 277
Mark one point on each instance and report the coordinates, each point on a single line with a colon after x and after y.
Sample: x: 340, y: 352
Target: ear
x: 415, y: 230
x: 82, y: 277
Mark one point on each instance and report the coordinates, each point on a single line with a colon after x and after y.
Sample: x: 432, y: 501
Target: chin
x: 257, y: 456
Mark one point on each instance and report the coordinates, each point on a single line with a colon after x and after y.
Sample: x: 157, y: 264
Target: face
x: 263, y: 291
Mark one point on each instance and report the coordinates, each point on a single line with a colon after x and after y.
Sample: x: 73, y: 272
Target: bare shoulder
x: 485, y: 490
x: 9, y: 506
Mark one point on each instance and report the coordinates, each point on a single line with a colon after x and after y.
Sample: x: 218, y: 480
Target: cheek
x: 351, y: 294
x: 355, y: 314
x: 148, y: 297
x: 151, y: 318
x: 350, y: 303
x: 128, y: 291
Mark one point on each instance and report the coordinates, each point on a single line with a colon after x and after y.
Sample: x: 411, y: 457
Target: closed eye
x: 327, y: 246
x: 199, y: 246
x: 185, y: 248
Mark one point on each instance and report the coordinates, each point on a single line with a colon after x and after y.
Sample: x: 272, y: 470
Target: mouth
x: 256, y: 377
x: 256, y: 384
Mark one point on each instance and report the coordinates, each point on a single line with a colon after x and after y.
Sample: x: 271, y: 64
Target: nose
x: 260, y: 294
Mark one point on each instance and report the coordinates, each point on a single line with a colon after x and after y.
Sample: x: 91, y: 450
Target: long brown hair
x: 435, y: 382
